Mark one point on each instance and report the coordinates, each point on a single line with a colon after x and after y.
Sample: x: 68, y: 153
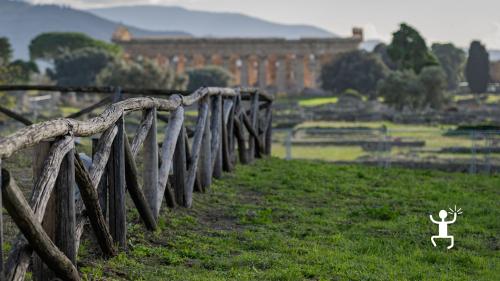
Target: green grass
x: 490, y: 98
x: 435, y: 137
x: 317, y: 101
x: 299, y: 220
x: 336, y: 153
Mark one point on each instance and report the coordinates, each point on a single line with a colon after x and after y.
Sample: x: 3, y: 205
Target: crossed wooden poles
x: 51, y: 223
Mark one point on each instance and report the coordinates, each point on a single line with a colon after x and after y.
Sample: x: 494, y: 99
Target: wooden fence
x: 52, y: 221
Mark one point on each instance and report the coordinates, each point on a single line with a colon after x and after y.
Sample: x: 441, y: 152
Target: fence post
x: 227, y: 164
x: 40, y: 152
x: 180, y: 169
x: 102, y: 188
x: 239, y: 132
x: 65, y: 207
x: 116, y: 187
x: 216, y: 130
x: 206, y: 153
x: 269, y: 130
x: 254, y: 115
x: 230, y: 132
x: 150, y: 171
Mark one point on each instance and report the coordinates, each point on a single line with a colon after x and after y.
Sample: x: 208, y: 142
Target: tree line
x: 407, y: 73
x: 76, y: 59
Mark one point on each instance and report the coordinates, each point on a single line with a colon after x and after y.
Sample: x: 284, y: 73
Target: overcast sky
x: 459, y: 21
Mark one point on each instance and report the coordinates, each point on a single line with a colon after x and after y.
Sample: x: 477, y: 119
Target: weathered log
x: 216, y: 130
x: 116, y: 182
x: 31, y: 228
x: 268, y: 134
x: 169, y: 194
x: 97, y: 169
x: 20, y: 254
x: 142, y: 131
x: 202, y: 92
x: 246, y: 92
x: 205, y: 165
x: 96, y: 216
x: 226, y: 158
x: 172, y: 132
x: 197, y: 184
x: 15, y: 116
x: 64, y: 193
x: 253, y: 133
x: 240, y: 137
x: 254, y: 115
x: 150, y: 171
x: 101, y: 156
x: 33, y: 134
x: 135, y: 191
x: 41, y: 152
x: 91, y: 108
x: 180, y: 170
x: 230, y: 131
x: 102, y: 187
x: 195, y: 155
x: 46, y: 181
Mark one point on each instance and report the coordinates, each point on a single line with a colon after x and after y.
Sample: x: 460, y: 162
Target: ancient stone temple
x: 276, y: 64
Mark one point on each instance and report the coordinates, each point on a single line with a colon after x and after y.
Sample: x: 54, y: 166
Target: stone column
x: 188, y: 62
x: 298, y: 73
x: 316, y: 68
x: 262, y: 72
x: 244, y: 71
x: 312, y: 68
x: 174, y: 63
x: 226, y: 63
x: 281, y: 74
x: 207, y: 60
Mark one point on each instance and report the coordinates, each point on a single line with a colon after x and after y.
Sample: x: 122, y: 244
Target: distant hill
x: 200, y: 23
x: 21, y: 22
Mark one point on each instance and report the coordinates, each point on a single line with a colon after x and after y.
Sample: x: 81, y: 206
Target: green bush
x: 210, y: 76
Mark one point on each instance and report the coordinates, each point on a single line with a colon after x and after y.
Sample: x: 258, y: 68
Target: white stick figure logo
x: 443, y: 225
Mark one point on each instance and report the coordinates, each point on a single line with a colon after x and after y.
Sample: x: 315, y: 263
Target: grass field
x: 311, y: 102
x: 299, y: 220
x: 434, y: 136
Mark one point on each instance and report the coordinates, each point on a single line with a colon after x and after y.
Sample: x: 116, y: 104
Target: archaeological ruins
x: 275, y: 64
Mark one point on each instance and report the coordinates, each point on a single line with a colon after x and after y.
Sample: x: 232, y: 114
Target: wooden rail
x: 53, y: 228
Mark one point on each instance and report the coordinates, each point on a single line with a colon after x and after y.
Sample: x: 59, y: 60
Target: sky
x: 457, y: 21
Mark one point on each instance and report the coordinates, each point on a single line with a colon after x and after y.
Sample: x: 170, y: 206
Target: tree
x: 401, y: 89
x: 409, y: 50
x: 48, y: 46
x: 5, y: 51
x: 356, y: 70
x: 433, y: 81
x: 144, y: 73
x: 14, y: 72
x: 477, y: 70
x: 80, y: 67
x: 381, y: 51
x: 210, y: 76
x: 452, y: 60
x: 405, y: 89
x: 24, y: 69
